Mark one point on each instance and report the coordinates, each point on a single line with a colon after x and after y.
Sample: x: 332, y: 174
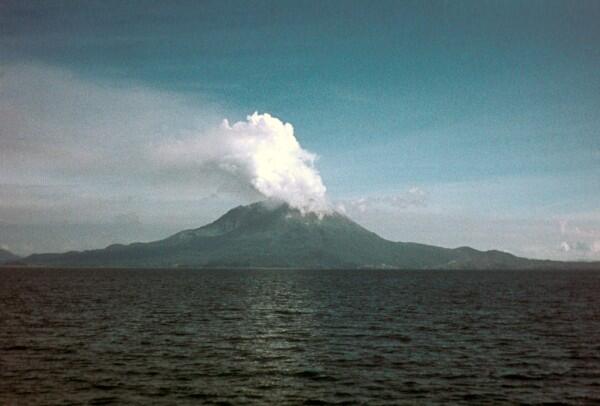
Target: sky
x: 444, y: 122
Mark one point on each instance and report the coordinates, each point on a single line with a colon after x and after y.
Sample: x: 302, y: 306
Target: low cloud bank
x: 415, y: 197
x: 579, y: 242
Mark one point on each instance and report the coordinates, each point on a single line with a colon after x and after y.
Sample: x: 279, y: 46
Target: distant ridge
x: 269, y: 235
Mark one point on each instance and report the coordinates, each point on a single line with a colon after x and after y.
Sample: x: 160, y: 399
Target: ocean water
x: 298, y: 337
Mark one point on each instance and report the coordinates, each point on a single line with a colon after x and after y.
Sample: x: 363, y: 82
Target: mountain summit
x: 275, y: 235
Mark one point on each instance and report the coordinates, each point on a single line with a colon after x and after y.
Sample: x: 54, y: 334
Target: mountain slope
x: 269, y: 235
x: 7, y: 256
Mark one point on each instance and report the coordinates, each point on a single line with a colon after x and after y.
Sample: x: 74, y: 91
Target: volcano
x: 270, y: 235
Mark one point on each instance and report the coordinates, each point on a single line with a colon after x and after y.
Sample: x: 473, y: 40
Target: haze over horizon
x: 453, y: 124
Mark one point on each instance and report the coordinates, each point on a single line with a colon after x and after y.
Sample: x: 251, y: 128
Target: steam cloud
x: 261, y: 151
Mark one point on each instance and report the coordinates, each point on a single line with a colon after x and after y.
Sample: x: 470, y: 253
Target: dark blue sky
x: 450, y: 96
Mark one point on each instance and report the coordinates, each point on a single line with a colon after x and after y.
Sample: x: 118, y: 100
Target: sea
x: 313, y: 337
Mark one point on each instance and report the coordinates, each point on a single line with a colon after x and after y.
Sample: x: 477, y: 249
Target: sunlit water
x: 314, y: 337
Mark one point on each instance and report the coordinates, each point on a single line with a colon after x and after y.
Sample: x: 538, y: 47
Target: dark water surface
x: 293, y: 337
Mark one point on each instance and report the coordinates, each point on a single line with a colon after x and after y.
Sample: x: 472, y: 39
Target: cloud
x: 262, y: 152
x: 581, y: 247
x: 415, y: 197
x: 57, y: 127
x: 581, y: 240
x: 73, y: 150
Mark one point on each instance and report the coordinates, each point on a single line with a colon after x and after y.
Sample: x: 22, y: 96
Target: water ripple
x: 298, y: 337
